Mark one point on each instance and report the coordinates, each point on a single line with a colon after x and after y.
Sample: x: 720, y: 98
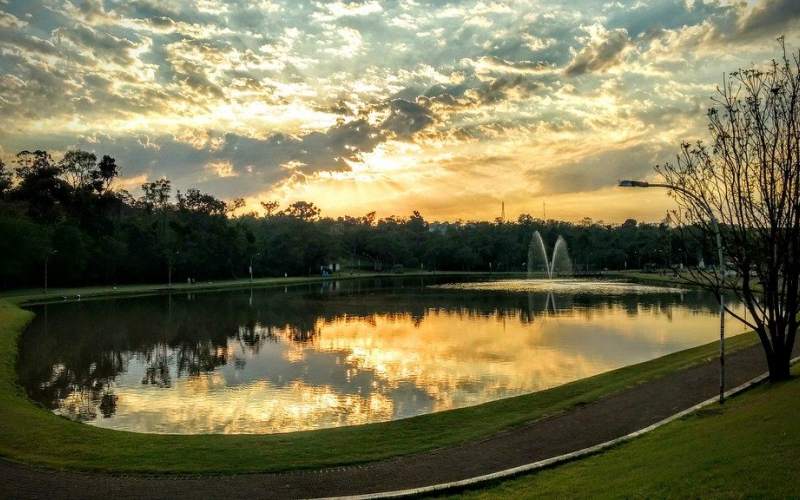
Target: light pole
x: 251, y: 265
x: 169, y: 270
x: 720, y: 274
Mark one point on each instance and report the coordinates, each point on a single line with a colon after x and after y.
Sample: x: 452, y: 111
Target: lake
x: 342, y: 353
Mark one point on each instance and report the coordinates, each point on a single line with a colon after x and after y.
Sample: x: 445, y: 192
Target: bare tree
x: 745, y: 190
x: 77, y: 167
x: 269, y: 207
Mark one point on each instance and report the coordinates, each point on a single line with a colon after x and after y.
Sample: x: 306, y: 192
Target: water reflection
x: 262, y: 361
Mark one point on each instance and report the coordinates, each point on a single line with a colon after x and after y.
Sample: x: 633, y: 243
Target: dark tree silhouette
x: 749, y: 179
x: 105, y: 173
x: 65, y: 217
x: 5, y: 179
x: 303, y: 210
x: 77, y: 167
x: 269, y: 207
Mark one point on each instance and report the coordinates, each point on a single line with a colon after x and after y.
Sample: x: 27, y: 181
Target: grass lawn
x: 750, y: 448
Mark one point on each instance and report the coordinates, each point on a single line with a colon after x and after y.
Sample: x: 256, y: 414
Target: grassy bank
x: 747, y: 449
x: 34, y: 435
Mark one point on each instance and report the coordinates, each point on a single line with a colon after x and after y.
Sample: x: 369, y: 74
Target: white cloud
x: 603, y: 49
x: 330, y: 11
x: 430, y: 103
x: 221, y: 169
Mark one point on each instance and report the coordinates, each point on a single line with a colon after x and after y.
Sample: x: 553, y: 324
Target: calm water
x: 341, y: 353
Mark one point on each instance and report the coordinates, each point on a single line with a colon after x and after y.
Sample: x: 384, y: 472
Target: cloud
x: 599, y: 171
x: 36, y: 92
x: 245, y: 97
x: 148, y: 9
x: 233, y: 165
x: 18, y: 41
x: 407, y: 118
x: 770, y: 17
x: 221, y: 169
x: 644, y: 20
x: 90, y: 10
x: 489, y: 65
x: 338, y: 9
x: 101, y: 45
x: 604, y: 50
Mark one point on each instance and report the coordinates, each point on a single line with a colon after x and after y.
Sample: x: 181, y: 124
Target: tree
x: 31, y: 161
x: 745, y: 189
x: 234, y: 205
x: 156, y: 194
x: 195, y: 201
x: 5, y: 179
x: 303, y: 210
x: 24, y: 246
x: 105, y: 173
x: 77, y: 167
x: 39, y: 187
x: 269, y: 207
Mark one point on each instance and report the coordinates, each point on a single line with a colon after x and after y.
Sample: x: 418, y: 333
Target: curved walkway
x: 551, y: 439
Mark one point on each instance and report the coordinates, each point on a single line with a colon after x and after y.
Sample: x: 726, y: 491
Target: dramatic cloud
x: 603, y: 50
x: 449, y: 108
x: 772, y: 16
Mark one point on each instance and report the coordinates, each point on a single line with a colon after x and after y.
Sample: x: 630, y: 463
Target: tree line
x: 65, y: 222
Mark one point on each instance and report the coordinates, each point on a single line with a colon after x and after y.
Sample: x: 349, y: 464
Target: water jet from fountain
x: 558, y: 263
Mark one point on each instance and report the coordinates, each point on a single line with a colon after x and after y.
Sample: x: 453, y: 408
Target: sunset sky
x: 447, y: 108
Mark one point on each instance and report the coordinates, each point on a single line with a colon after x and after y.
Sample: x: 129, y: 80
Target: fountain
x: 550, y: 290
x: 559, y: 260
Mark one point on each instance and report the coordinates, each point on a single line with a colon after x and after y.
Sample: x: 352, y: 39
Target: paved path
x: 577, y: 429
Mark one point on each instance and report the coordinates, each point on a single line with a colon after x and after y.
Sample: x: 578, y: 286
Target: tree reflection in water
x: 157, y: 372
x: 72, y: 354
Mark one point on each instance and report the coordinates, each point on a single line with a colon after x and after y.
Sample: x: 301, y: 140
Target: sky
x: 461, y: 110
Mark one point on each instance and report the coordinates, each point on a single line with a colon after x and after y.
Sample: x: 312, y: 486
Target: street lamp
x: 251, y: 265
x: 169, y: 270
x: 720, y: 273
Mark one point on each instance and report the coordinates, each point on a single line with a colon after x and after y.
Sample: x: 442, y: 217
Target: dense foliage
x: 64, y: 221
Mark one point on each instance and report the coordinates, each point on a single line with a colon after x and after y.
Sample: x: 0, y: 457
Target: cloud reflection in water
x: 304, y: 360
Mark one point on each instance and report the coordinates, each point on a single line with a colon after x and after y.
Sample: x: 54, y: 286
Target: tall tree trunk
x: 778, y: 361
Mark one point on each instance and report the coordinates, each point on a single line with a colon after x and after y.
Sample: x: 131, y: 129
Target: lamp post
x: 251, y: 265
x: 169, y: 270
x: 720, y: 272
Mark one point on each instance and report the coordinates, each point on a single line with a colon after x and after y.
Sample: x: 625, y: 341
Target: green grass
x: 34, y: 435
x: 746, y: 449
x: 37, y: 296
